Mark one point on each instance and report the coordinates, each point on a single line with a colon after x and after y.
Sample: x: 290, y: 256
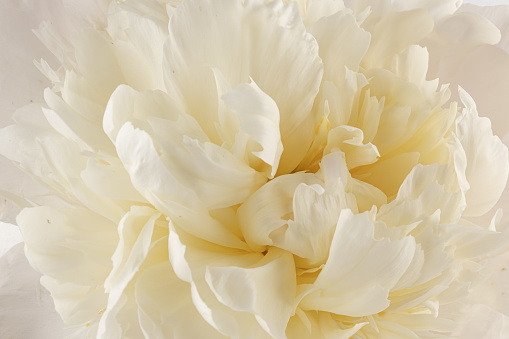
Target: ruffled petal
x: 360, y: 271
x: 248, y: 289
x: 213, y: 40
x: 258, y: 117
x: 487, y: 159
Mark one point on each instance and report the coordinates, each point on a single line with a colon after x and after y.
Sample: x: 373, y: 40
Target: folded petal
x: 259, y: 119
x: 213, y: 40
x: 266, y: 290
x: 360, y: 271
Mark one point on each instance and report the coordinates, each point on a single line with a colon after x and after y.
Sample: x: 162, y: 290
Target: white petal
x: 424, y: 191
x: 461, y: 54
x: 259, y: 118
x: 171, y: 157
x: 121, y: 318
x: 350, y: 140
x: 391, y: 31
x: 140, y: 233
x: 487, y: 159
x: 139, y: 35
x: 266, y: 290
x: 267, y: 209
x: 437, y: 8
x: 25, y: 301
x: 21, y: 81
x: 10, y: 235
x: 191, y: 260
x: 165, y: 307
x: 213, y: 40
x: 360, y: 270
x: 346, y: 32
x: 194, y: 174
x: 482, y: 321
x: 73, y: 247
x: 135, y: 237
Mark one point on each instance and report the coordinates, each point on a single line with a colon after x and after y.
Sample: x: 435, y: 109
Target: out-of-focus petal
x: 27, y: 309
x: 498, y: 15
x: 437, y: 8
x: 487, y: 159
x: 462, y: 52
x: 10, y: 235
x: 73, y: 247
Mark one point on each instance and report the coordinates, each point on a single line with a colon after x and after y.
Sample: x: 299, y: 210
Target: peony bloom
x: 267, y: 169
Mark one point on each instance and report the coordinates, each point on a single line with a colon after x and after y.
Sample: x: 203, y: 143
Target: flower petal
x: 259, y: 118
x: 247, y: 289
x: 72, y: 247
x: 213, y: 40
x: 360, y: 271
x: 24, y: 301
x: 165, y: 307
x: 487, y: 159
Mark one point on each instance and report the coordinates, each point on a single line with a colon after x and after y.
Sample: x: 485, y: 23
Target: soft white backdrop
x: 30, y: 306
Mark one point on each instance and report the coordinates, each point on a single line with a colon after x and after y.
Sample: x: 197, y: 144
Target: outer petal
x: 72, y: 247
x: 462, y: 53
x: 437, y: 8
x: 25, y: 301
x: 487, y: 159
x: 165, y: 306
x: 21, y: 81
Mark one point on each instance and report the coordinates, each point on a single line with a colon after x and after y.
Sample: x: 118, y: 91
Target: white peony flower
x: 267, y: 169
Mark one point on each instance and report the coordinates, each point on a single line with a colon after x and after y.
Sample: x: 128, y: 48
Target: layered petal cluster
x: 263, y: 169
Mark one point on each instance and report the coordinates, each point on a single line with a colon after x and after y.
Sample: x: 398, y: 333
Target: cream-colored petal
x: 121, y: 319
x: 70, y: 124
x: 258, y: 117
x: 461, y: 53
x: 424, y: 191
x: 62, y: 243
x: 498, y: 15
x: 350, y: 140
x: 72, y: 247
x: 333, y: 33
x: 391, y: 31
x: 313, y: 10
x: 437, y: 8
x: 139, y: 35
x: 213, y: 40
x: 248, y: 289
x: 487, y: 159
x: 165, y: 307
x: 360, y: 270
x: 25, y: 301
x: 190, y: 258
x: 269, y: 207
